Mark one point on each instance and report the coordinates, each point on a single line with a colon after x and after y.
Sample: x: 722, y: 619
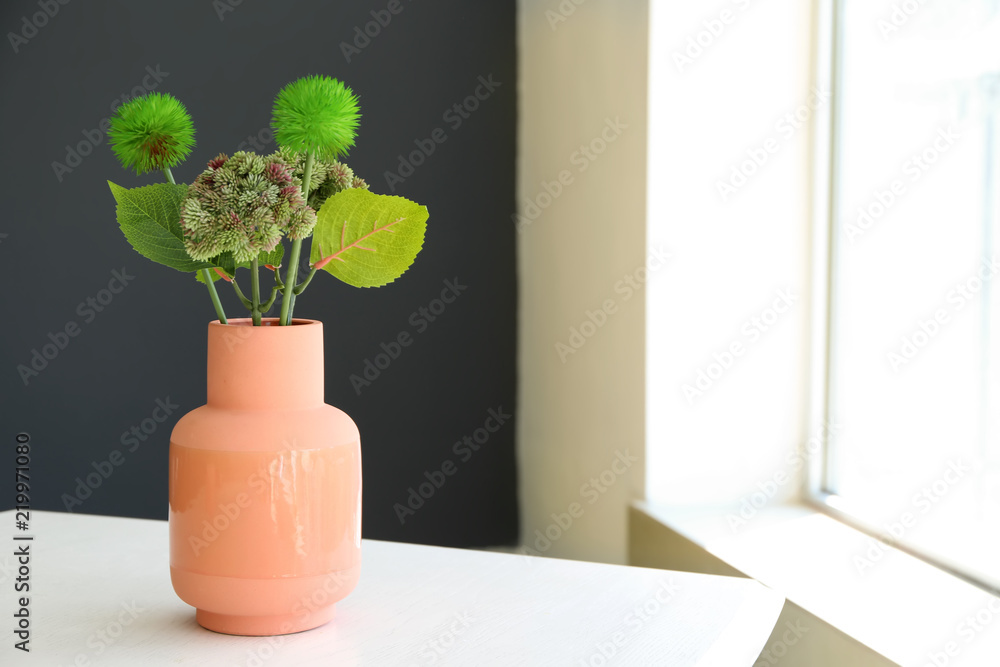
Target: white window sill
x: 900, y: 606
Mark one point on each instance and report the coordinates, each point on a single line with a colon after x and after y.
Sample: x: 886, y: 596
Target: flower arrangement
x: 238, y: 211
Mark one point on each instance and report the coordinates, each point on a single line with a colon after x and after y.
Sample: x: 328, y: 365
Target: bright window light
x: 914, y: 365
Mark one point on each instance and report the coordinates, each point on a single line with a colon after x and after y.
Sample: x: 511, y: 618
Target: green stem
x: 264, y: 307
x: 239, y: 293
x: 206, y: 274
x: 288, y: 295
x: 255, y: 292
x: 301, y: 287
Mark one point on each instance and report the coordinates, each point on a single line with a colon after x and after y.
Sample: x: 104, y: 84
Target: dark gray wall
x: 226, y: 61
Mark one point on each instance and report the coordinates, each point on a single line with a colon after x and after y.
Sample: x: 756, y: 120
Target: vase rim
x: 265, y: 322
x: 265, y: 367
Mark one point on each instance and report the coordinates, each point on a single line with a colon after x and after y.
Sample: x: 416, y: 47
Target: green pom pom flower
x: 316, y: 114
x: 151, y: 133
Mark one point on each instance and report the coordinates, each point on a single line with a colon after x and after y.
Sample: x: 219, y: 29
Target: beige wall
x: 582, y: 73
x: 581, y: 66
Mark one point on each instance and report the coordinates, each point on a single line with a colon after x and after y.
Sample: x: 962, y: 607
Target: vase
x: 265, y: 486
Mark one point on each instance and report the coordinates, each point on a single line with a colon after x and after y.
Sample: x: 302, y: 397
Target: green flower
x: 151, y: 133
x: 316, y: 114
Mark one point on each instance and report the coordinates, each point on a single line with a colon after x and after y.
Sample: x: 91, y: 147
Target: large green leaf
x: 150, y: 219
x: 373, y: 238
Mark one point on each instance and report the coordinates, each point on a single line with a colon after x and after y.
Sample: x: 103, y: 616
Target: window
x: 912, y: 395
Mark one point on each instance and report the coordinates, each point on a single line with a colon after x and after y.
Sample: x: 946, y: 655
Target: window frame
x: 819, y: 480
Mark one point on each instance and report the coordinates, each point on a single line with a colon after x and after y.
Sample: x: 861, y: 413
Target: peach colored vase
x: 265, y: 486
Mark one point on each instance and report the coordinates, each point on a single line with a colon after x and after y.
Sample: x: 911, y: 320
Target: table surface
x: 101, y: 595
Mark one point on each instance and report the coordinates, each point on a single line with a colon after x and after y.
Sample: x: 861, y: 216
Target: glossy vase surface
x: 265, y: 486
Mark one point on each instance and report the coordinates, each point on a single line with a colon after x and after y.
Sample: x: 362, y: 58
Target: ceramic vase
x: 265, y: 486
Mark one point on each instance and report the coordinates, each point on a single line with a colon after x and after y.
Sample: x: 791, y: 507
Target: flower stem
x: 264, y: 307
x: 288, y: 295
x: 304, y: 284
x: 277, y: 280
x: 206, y: 274
x: 247, y: 303
x: 255, y: 292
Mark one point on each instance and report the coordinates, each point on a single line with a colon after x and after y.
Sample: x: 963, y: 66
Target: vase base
x: 263, y: 626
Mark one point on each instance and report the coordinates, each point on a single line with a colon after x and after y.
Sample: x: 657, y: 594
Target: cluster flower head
x: 316, y: 114
x: 151, y: 133
x: 243, y: 204
x: 326, y: 179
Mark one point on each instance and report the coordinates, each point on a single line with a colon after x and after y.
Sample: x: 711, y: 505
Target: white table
x: 101, y: 595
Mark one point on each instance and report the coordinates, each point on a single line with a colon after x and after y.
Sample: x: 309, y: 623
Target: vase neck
x: 265, y: 367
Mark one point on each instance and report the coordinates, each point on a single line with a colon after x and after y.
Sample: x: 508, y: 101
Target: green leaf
x: 273, y: 258
x: 373, y: 238
x: 225, y: 262
x: 150, y: 219
x: 211, y: 272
